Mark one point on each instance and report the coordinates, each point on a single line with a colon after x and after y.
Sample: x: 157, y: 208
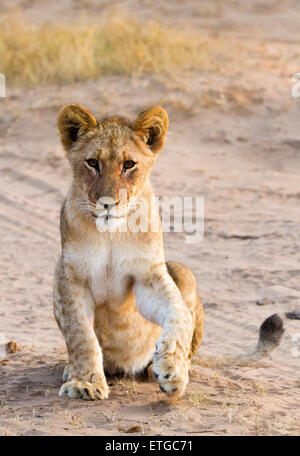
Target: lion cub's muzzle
x: 107, y: 207
x: 107, y: 202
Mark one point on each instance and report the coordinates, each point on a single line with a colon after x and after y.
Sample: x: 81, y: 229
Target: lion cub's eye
x: 92, y: 162
x: 128, y: 164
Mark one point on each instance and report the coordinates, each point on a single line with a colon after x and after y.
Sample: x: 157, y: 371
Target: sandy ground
x: 240, y: 150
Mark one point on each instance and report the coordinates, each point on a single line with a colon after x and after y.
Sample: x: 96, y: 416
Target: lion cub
x: 118, y: 304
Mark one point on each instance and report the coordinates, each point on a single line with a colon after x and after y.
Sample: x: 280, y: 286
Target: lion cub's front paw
x: 85, y: 390
x: 171, y: 369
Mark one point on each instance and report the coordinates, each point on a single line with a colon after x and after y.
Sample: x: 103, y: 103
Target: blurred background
x: 223, y: 71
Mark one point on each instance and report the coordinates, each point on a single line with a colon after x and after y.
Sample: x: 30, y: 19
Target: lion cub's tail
x: 270, y: 334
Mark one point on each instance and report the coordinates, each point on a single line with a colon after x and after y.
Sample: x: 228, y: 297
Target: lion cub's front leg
x: 84, y: 378
x: 159, y: 300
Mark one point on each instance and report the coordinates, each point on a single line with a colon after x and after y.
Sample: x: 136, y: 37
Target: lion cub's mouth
x: 108, y: 216
x: 111, y: 214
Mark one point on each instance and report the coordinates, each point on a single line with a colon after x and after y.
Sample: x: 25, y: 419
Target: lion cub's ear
x: 74, y: 120
x: 151, y: 126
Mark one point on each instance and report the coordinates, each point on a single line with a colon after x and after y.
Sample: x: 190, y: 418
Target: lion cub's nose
x: 107, y: 202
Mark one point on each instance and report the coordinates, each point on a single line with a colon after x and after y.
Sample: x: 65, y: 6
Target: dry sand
x: 240, y: 149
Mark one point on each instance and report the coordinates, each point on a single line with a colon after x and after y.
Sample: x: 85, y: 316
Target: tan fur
x: 118, y: 304
x: 113, y: 291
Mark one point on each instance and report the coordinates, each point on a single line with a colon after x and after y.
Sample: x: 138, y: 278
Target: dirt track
x: 240, y: 149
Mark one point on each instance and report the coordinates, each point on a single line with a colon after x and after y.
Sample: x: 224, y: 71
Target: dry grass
x: 33, y: 55
x: 198, y: 398
x: 75, y: 420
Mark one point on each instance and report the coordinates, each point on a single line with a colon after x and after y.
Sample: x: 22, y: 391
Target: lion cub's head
x: 111, y: 159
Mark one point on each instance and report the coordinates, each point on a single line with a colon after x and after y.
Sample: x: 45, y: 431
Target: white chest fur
x: 105, y: 268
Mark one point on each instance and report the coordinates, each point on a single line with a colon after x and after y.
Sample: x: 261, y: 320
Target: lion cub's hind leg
x: 186, y: 282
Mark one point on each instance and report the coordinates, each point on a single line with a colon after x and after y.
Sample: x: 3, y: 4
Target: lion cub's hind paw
x: 84, y: 390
